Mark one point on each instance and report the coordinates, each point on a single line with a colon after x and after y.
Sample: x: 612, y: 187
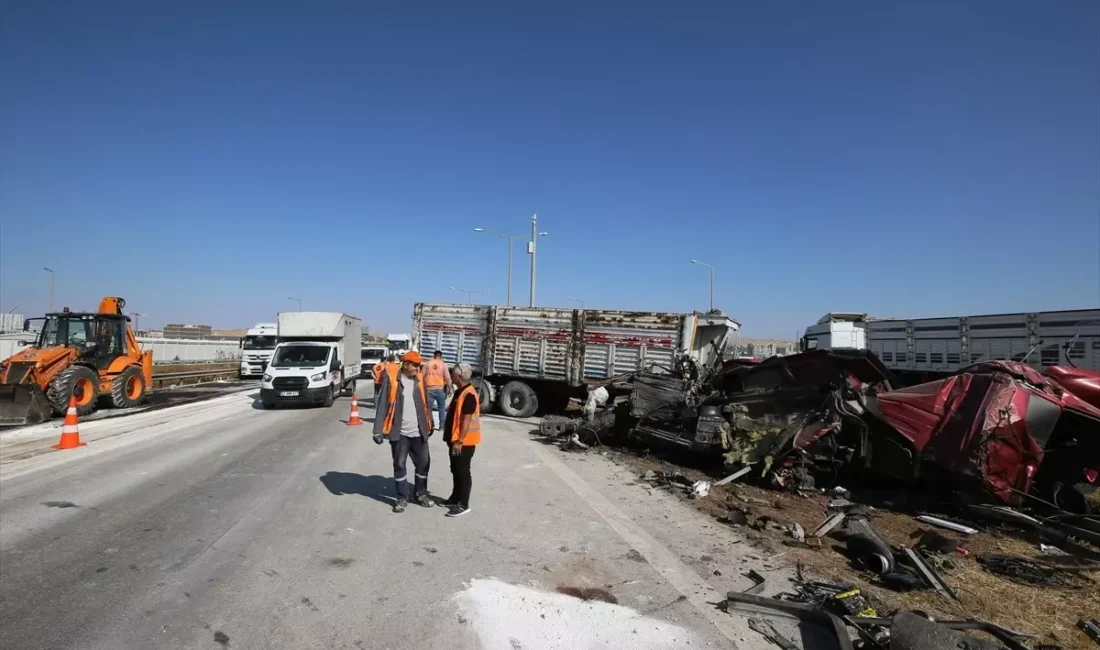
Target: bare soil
x: 1049, y: 612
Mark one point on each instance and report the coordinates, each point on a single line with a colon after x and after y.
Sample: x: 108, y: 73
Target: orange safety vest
x: 377, y: 370
x: 392, y: 368
x: 467, y: 428
x: 435, y: 373
x: 391, y: 403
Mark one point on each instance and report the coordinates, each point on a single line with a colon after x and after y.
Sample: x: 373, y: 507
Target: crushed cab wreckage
x: 998, y: 427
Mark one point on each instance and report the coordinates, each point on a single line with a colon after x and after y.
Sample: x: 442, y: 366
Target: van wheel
x: 330, y: 396
x: 518, y: 400
x: 349, y: 390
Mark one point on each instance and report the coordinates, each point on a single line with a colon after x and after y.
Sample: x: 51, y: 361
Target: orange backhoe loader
x: 76, y: 354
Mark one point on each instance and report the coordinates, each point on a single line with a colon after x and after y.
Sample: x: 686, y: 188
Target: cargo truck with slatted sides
x: 534, y: 359
x: 924, y: 349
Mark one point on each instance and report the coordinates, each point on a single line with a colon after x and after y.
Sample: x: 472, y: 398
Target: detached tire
x: 74, y: 381
x: 518, y: 400
x: 128, y: 389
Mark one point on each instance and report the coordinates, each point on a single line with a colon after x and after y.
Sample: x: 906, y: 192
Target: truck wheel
x: 350, y: 388
x: 484, y: 394
x: 128, y: 389
x: 330, y: 396
x: 74, y: 381
x: 518, y: 400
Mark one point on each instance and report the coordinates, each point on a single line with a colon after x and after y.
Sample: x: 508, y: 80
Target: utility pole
x: 299, y: 302
x: 469, y: 293
x: 137, y: 319
x: 51, y: 286
x: 531, y: 246
x: 578, y: 300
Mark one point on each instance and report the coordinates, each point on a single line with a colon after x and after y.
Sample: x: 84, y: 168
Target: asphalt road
x: 222, y: 525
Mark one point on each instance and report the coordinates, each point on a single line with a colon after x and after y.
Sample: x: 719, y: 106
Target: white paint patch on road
x: 523, y: 618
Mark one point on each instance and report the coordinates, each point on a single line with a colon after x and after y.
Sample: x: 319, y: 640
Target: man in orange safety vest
x: 438, y: 381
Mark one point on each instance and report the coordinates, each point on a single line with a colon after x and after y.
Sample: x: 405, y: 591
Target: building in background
x: 227, y: 333
x: 181, y: 331
x: 761, y: 348
x: 11, y: 323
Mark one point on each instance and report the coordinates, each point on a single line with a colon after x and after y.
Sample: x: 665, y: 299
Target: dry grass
x: 1051, y: 613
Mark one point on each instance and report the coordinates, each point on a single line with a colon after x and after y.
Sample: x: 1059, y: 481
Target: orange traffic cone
x: 354, y: 419
x: 70, y: 434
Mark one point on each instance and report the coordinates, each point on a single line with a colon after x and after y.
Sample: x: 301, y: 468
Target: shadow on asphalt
x: 379, y: 488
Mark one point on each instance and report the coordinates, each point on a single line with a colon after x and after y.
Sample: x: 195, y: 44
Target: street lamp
x: 299, y: 302
x: 535, y: 234
x: 510, y: 239
x: 469, y: 293
x: 44, y: 268
x: 578, y: 300
x: 711, y: 267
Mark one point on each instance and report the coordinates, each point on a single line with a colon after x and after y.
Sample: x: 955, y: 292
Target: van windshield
x: 300, y: 356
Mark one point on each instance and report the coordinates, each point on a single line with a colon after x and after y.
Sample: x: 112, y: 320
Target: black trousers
x: 403, y: 447
x: 460, y: 469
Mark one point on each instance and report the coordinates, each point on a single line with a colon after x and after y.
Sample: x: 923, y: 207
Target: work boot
x: 400, y: 505
x: 423, y: 500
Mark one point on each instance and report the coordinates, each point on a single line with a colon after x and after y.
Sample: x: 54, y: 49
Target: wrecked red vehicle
x: 1005, y: 425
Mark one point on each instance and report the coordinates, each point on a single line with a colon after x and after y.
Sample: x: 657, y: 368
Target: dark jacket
x: 423, y: 413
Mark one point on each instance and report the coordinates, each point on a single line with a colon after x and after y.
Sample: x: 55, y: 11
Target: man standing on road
x: 462, y: 433
x: 403, y: 418
x: 438, y: 381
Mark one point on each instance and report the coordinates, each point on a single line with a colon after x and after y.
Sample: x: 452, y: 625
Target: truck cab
x: 836, y: 330
x: 256, y: 348
x: 369, y: 356
x: 303, y: 372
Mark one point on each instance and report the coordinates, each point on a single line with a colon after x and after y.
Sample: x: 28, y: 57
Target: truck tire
x: 518, y: 400
x: 128, y: 389
x: 349, y: 390
x: 330, y: 396
x: 484, y: 394
x: 74, y: 380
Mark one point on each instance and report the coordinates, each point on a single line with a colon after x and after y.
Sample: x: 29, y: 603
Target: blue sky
x: 207, y: 160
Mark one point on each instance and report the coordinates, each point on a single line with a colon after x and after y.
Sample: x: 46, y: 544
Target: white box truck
x: 316, y: 359
x: 256, y: 348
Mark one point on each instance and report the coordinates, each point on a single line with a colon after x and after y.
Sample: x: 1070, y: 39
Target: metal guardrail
x: 198, y: 376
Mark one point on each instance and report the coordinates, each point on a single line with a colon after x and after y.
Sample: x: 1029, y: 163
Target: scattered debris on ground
x: 972, y: 497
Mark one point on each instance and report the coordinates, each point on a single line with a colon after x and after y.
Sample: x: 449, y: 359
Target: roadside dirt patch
x: 1050, y: 612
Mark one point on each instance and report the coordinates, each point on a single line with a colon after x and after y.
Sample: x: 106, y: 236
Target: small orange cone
x: 70, y: 434
x: 354, y: 420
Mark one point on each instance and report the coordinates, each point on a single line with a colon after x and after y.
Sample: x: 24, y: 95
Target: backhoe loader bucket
x: 23, y: 404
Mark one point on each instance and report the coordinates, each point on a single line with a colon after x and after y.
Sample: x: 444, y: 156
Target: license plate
x: 288, y: 393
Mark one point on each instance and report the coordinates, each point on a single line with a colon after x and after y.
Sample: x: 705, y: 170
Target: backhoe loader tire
x: 128, y: 389
x: 64, y: 385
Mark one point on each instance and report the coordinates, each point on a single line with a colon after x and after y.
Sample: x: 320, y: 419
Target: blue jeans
x: 437, y: 397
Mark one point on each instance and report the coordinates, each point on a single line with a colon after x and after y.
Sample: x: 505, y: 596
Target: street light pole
x: 578, y: 300
x: 51, y: 285
x: 509, y: 239
x: 469, y: 293
x: 711, y: 267
x: 299, y: 302
x: 531, y: 246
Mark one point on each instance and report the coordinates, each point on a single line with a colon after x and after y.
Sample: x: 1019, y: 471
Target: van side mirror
x: 26, y: 325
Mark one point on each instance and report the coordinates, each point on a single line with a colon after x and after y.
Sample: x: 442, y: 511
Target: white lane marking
x: 697, y: 591
x: 505, y: 615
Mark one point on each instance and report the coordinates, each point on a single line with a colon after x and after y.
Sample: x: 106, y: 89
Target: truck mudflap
x: 23, y: 404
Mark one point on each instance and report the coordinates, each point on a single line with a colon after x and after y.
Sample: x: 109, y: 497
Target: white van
x: 317, y: 358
